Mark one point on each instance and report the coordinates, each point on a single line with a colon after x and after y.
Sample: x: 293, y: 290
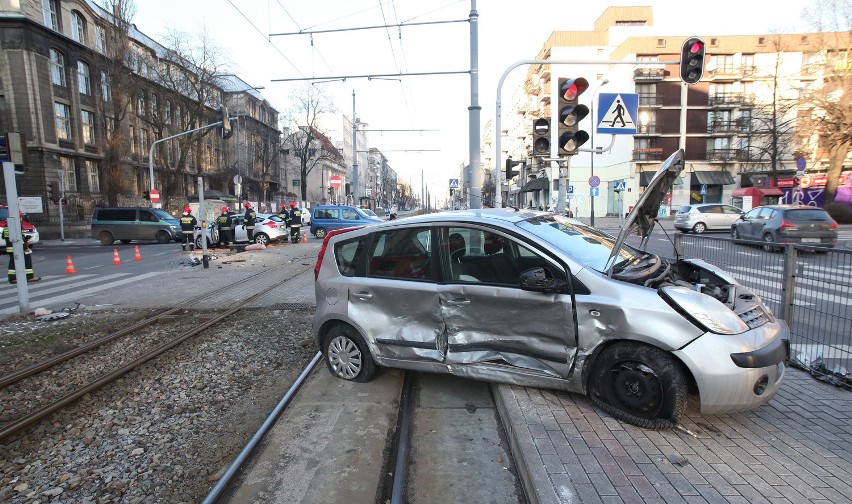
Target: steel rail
x: 36, y: 416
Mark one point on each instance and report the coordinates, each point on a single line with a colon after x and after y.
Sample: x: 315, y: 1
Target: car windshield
x: 587, y: 245
x: 370, y: 213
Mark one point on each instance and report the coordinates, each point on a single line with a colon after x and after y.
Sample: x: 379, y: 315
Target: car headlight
x: 703, y: 310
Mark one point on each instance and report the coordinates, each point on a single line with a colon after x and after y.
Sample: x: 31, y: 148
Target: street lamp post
x: 592, y: 140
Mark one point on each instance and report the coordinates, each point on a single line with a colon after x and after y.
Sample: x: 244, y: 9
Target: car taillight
x: 785, y: 224
x: 325, y: 244
x: 833, y: 225
x: 270, y: 224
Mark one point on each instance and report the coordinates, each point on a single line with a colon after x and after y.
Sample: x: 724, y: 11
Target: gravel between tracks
x: 165, y: 431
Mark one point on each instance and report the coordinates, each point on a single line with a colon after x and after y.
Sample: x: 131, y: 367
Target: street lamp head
x: 604, y: 82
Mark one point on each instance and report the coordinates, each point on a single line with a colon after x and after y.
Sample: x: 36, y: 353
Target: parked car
x: 538, y: 299
x: 306, y: 216
x: 26, y: 226
x: 786, y: 224
x: 327, y: 218
x: 134, y: 223
x: 706, y: 217
x: 370, y: 213
x: 268, y: 228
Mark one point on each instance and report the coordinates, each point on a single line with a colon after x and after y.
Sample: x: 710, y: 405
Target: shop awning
x: 757, y: 192
x: 537, y: 184
x: 712, y: 178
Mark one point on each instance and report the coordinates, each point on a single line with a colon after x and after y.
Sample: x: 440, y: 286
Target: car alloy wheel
x: 699, y: 228
x: 767, y: 239
x: 262, y: 239
x: 639, y: 384
x: 320, y: 233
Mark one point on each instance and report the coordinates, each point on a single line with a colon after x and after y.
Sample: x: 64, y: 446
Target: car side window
x: 146, y: 216
x: 731, y: 210
x: 401, y: 253
x: 480, y: 256
x: 347, y: 254
x: 752, y: 214
x: 711, y: 209
x: 765, y: 214
x: 349, y: 214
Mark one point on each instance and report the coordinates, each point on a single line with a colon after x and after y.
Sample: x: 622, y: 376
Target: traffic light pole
x: 13, y: 224
x: 498, y: 109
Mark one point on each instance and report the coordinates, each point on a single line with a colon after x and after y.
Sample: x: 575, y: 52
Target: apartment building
x: 58, y: 87
x: 722, y: 122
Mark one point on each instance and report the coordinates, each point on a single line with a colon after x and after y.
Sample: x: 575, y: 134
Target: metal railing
x: 808, y: 287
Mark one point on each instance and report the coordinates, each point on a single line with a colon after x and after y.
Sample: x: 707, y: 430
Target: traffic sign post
x: 155, y: 196
x: 594, y: 181
x: 335, y: 181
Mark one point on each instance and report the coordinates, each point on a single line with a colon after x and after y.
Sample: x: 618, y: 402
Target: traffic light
x: 13, y: 148
x: 509, y: 165
x: 147, y: 195
x: 692, y: 60
x: 225, y: 130
x: 570, y: 137
x: 541, y: 137
x: 53, y: 192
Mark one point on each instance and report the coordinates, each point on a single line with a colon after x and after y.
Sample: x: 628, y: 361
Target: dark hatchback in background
x: 800, y: 224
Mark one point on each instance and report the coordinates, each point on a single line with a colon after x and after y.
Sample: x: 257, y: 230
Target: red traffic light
x: 696, y: 46
x: 572, y: 88
x: 692, y: 60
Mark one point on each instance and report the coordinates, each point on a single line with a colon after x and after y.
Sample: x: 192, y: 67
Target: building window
x: 78, y: 27
x: 67, y: 165
x: 168, y: 111
x: 100, y: 39
x: 143, y: 137
x: 83, y: 78
x: 63, y: 120
x: 51, y: 20
x: 133, y: 144
x: 106, y: 89
x: 109, y: 126
x: 57, y: 68
x: 296, y: 182
x: 140, y: 105
x: 155, y: 110
x: 92, y: 173
x: 88, y: 126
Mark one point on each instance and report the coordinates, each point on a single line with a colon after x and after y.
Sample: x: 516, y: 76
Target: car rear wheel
x: 106, y: 238
x: 699, y: 228
x: 261, y: 238
x: 767, y: 240
x: 347, y: 356
x: 639, y: 384
x: 163, y: 237
x: 320, y: 233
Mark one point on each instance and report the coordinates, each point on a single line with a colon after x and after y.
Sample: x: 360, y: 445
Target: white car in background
x: 268, y: 228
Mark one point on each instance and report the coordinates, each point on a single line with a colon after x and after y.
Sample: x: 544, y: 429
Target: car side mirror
x: 541, y: 280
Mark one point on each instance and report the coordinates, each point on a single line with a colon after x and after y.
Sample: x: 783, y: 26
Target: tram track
x: 27, y: 420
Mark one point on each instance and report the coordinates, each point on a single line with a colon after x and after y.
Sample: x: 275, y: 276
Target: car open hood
x: 641, y: 219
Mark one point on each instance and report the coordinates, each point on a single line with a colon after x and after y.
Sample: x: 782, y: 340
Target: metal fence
x: 808, y: 287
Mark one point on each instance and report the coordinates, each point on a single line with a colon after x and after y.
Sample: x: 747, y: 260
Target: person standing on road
x: 28, y: 261
x: 295, y: 222
x: 250, y: 219
x: 223, y: 224
x: 188, y: 222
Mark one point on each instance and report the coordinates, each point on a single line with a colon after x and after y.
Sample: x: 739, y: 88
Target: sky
x: 419, y: 122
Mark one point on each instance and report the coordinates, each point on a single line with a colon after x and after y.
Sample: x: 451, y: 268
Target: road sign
x: 570, y: 189
x: 335, y: 181
x: 801, y: 163
x: 594, y: 181
x: 454, y: 183
x: 703, y: 189
x: 620, y: 185
x: 155, y: 196
x: 594, y: 191
x: 617, y: 113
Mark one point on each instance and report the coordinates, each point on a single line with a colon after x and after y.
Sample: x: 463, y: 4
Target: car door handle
x: 458, y: 302
x: 362, y: 295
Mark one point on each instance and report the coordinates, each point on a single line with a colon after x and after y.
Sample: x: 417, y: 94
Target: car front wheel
x: 639, y: 384
x: 347, y: 355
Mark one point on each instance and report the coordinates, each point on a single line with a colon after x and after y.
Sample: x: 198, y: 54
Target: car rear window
x: 808, y: 215
x: 684, y: 209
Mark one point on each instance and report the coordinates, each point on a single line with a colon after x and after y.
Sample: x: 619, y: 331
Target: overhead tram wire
x: 265, y: 37
x: 372, y: 27
x: 313, y: 47
x: 367, y: 76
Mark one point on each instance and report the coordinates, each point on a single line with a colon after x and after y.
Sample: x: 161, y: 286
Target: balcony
x: 650, y: 100
x: 649, y: 129
x: 723, y: 127
x: 648, y: 155
x: 725, y: 73
x: 725, y: 100
x: 722, y: 155
x: 649, y: 74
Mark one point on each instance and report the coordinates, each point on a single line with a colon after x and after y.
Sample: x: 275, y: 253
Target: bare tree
x: 118, y: 91
x: 309, y: 144
x: 187, y: 73
x: 830, y: 121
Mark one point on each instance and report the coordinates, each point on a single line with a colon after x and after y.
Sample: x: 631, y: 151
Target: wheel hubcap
x: 344, y: 357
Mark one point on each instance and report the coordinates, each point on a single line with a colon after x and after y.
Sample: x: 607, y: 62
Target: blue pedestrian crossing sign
x: 617, y: 113
x: 620, y: 185
x: 454, y: 183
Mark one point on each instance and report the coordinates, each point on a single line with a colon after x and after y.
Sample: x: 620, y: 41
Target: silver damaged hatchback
x: 535, y: 299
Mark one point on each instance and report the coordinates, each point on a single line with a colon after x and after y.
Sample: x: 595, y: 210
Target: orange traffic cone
x: 138, y: 256
x: 115, y: 258
x: 304, y: 237
x: 69, y: 266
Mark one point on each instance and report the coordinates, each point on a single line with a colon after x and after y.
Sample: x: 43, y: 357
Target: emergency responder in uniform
x: 284, y: 215
x: 223, y: 224
x: 295, y: 222
x: 187, y: 228
x: 28, y: 261
x: 250, y: 219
